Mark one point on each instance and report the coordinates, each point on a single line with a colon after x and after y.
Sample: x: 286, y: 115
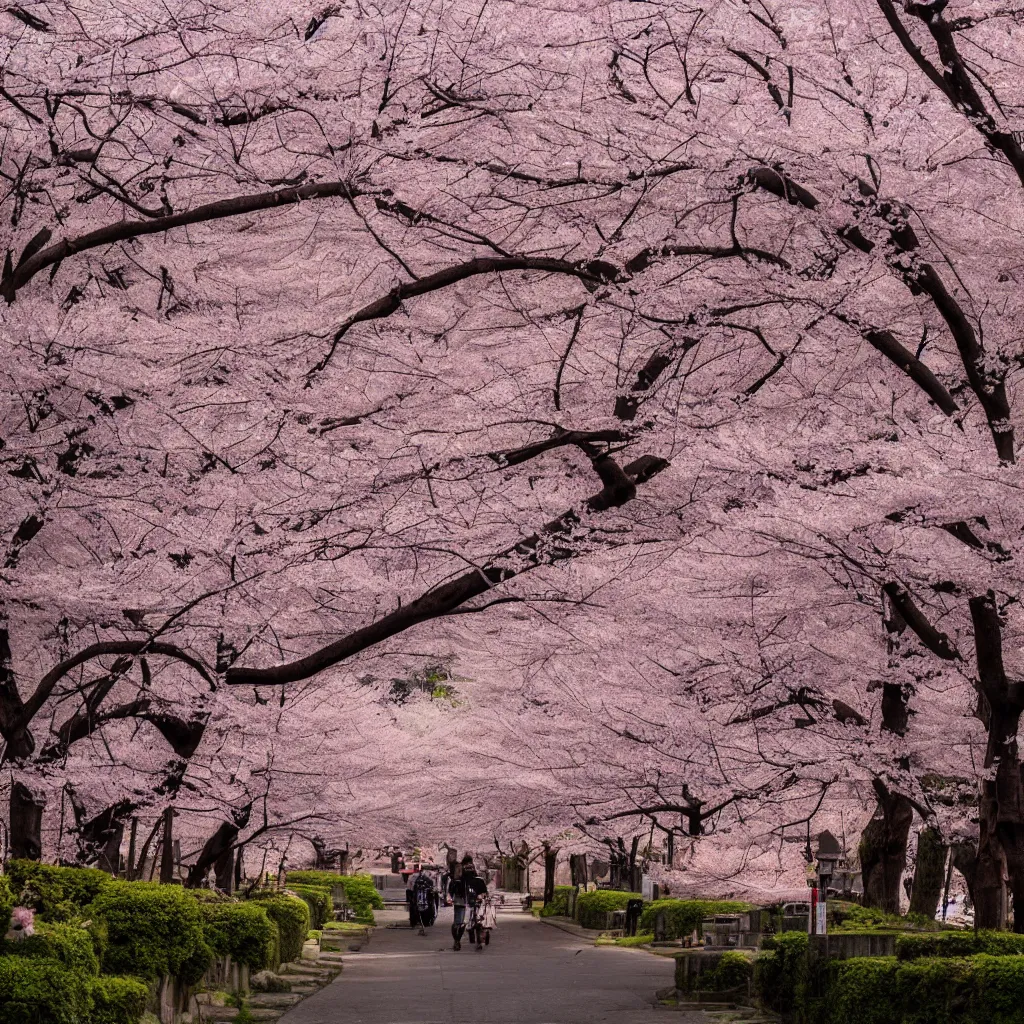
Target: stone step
x: 309, y: 970
x: 229, y: 1013
x: 274, y: 999
x: 306, y: 990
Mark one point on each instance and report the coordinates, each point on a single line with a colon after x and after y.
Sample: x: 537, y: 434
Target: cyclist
x: 466, y: 890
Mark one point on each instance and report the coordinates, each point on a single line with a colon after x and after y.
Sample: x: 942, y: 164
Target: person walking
x: 466, y: 889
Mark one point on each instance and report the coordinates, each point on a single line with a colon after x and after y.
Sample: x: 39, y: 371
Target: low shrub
x: 117, y: 1000
x: 852, y: 917
x: 56, y: 894
x: 242, y: 931
x: 360, y: 892
x: 291, y: 915
x: 152, y: 930
x: 37, y: 991
x: 559, y: 905
x: 781, y: 971
x: 957, y: 944
x: 318, y: 899
x: 68, y: 944
x: 591, y: 907
x: 683, y: 916
x: 862, y: 989
x: 6, y: 904
x: 980, y: 989
x: 731, y: 970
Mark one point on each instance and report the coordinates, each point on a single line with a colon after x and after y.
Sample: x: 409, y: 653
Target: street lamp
x: 830, y: 853
x: 828, y: 856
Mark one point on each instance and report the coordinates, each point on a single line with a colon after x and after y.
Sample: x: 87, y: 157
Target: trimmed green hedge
x: 291, y: 915
x: 68, y: 944
x: 559, y: 905
x: 949, y: 944
x: 34, y: 991
x: 360, y: 893
x: 733, y: 970
x: 318, y: 899
x: 117, y: 1000
x: 682, y: 916
x: 56, y: 894
x: 781, y: 972
x: 242, y: 931
x: 152, y: 929
x: 6, y: 904
x: 979, y: 989
x: 591, y: 907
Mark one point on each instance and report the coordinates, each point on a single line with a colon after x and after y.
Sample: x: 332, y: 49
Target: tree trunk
x: 550, y: 860
x: 218, y: 852
x: 965, y: 860
x: 883, y: 850
x: 929, y: 873
x: 578, y: 868
x: 167, y: 859
x: 26, y: 818
x: 132, y: 841
x: 224, y: 871
x: 110, y: 854
x: 239, y: 868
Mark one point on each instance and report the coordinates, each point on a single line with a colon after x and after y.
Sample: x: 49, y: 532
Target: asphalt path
x: 531, y: 973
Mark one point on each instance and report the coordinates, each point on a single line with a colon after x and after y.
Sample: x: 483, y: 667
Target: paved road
x: 532, y: 973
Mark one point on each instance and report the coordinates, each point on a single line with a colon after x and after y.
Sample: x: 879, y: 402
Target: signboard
x: 820, y: 922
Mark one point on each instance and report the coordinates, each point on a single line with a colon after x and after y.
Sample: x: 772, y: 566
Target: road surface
x: 532, y: 973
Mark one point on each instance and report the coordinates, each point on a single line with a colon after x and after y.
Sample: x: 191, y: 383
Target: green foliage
x: 152, y: 930
x: 68, y: 944
x: 591, y: 907
x: 360, y: 893
x: 117, y: 1000
x: 242, y: 931
x: 632, y: 941
x: 733, y: 970
x: 851, y: 917
x: 559, y: 905
x: 6, y: 904
x: 979, y: 989
x: 682, y: 916
x: 781, y: 971
x: 291, y: 915
x: 56, y: 894
x: 318, y: 899
x: 37, y: 991
x: 863, y: 989
x: 951, y: 944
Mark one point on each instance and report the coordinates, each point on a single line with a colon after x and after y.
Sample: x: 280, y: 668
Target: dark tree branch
x: 541, y: 548
x: 938, y: 643
x: 124, y: 230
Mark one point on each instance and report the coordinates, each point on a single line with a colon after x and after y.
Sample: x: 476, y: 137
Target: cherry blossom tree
x: 646, y: 365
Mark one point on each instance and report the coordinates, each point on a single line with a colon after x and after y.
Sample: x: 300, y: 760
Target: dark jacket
x: 467, y: 889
